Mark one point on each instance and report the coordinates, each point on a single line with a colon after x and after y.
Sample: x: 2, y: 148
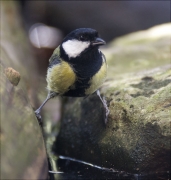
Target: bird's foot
x: 104, y: 102
x: 106, y: 109
x: 39, y: 118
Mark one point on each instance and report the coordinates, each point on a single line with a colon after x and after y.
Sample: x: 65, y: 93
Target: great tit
x: 77, y: 68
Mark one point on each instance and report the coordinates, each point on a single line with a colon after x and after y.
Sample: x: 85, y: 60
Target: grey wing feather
x: 103, y: 56
x: 54, y: 60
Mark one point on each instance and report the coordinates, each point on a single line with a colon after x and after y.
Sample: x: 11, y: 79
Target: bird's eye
x: 82, y: 38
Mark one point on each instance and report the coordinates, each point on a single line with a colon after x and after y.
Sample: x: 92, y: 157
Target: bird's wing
x: 55, y: 58
x: 103, y: 56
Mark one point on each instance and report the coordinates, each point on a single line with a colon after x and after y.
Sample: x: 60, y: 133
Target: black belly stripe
x: 85, y: 68
x: 79, y: 88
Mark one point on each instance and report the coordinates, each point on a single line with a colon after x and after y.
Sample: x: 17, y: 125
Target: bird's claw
x: 104, y: 102
x: 39, y: 118
x: 106, y: 109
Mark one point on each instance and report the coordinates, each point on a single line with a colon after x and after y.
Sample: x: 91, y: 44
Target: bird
x: 77, y: 68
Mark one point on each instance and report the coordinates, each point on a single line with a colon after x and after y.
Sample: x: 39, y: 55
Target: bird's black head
x: 81, y: 41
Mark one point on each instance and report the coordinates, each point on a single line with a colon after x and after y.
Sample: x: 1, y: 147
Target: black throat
x: 85, y: 65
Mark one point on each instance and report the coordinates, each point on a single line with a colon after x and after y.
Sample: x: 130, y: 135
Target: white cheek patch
x: 73, y: 48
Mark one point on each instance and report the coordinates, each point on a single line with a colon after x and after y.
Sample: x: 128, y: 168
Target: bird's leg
x: 104, y: 105
x: 37, y: 112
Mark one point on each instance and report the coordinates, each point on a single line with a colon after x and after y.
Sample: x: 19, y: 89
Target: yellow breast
x: 98, y: 79
x: 60, y: 77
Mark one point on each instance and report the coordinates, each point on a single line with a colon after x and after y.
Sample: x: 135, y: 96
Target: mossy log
x: 23, y: 153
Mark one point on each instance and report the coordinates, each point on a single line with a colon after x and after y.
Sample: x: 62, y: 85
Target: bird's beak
x: 98, y: 42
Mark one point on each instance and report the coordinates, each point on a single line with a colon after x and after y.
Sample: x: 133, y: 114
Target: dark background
x: 110, y: 18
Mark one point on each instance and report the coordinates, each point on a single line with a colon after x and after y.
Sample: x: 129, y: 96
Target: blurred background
x: 47, y: 22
